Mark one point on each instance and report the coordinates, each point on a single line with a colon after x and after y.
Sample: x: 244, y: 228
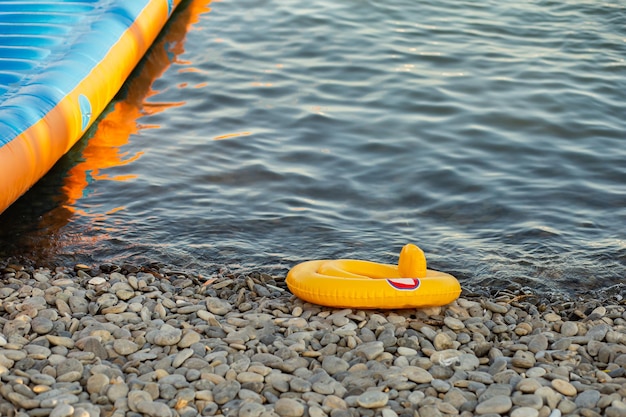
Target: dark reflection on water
x: 488, y: 133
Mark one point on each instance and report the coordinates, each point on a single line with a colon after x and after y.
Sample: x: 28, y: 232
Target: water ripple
x: 490, y: 133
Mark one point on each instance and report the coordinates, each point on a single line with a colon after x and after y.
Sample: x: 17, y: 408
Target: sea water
x: 258, y: 134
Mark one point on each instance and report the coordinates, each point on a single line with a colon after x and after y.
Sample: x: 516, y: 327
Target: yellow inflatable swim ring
x: 362, y: 284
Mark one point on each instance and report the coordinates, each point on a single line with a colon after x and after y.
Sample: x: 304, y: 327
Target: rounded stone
x: 137, y: 396
x: 523, y: 329
x: 528, y: 400
x: 117, y: 391
x: 440, y: 385
x: 528, y: 385
x: 372, y: 399
x: 50, y: 401
x: 316, y: 411
x: 549, y: 395
x: 566, y: 406
x: 167, y: 335
x: 523, y: 359
x: 69, y: 365
x: 225, y: 391
x: 18, y: 326
x: 97, y: 383
x: 453, y: 323
x: 370, y: 350
x: 538, y: 343
x: 249, y: 377
x: 613, y: 411
x: 334, y: 365
x: 94, y: 345
x: 218, y: 306
x: 535, y: 372
x: 417, y: 374
x: 406, y: 351
x: 288, y: 407
x: 299, y: 385
x: 525, y: 412
x: 334, y: 402
x: 496, y: 308
x: 67, y: 342
x: 97, y: 281
x: 446, y: 357
x: 443, y: 341
x: 587, y: 399
x: 125, y: 347
x: 78, y: 304
x: 189, y: 338
x: 41, y: 325
x: 563, y: 387
x: 569, y: 329
x: 467, y: 362
x: 181, y: 357
x: 37, y: 352
x: 42, y: 379
x: 498, y: 404
x: 251, y: 409
x: 69, y: 376
x: 154, y: 409
x: 82, y: 412
x: 62, y: 410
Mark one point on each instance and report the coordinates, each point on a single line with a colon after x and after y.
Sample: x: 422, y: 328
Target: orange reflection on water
x: 232, y: 135
x: 103, y: 149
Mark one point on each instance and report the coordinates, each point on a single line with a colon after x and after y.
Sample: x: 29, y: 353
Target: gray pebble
x: 117, y: 391
x: 525, y: 412
x: 125, y: 347
x: 218, y: 306
x: 334, y: 365
x: 598, y: 332
x: 523, y: 359
x: 289, y: 407
x: 569, y: 328
x: 417, y: 374
x: 499, y: 404
x: 587, y: 399
x: 165, y: 336
x: 370, y: 350
x: 42, y: 325
x: 181, y: 357
x: 154, y: 409
x: 251, y: 409
x: 453, y: 323
x: 137, y: 396
x: 495, y: 307
x: 372, y: 399
x: 538, y: 343
x: 226, y: 391
x: 62, y: 410
x: 467, y: 362
x: 528, y: 400
x: 615, y: 412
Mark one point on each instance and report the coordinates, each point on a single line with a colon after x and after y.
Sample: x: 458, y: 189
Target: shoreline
x: 133, y: 341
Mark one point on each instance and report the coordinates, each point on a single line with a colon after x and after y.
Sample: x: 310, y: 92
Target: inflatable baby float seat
x: 351, y: 283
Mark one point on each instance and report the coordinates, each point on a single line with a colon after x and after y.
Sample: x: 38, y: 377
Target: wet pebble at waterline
x: 127, y: 341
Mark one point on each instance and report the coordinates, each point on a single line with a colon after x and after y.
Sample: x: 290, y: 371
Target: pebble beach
x: 151, y: 341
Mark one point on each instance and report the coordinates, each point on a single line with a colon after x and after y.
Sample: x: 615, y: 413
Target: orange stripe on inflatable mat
x: 28, y: 156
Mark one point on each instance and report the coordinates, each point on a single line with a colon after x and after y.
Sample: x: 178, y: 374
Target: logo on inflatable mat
x: 404, y: 284
x: 85, y: 110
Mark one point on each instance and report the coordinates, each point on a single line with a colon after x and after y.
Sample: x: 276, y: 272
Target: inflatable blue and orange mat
x: 61, y: 63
